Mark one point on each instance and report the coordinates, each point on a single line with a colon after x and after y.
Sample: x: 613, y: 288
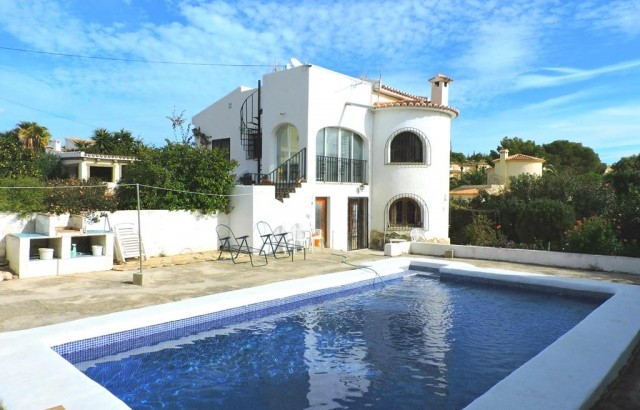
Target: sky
x: 541, y: 70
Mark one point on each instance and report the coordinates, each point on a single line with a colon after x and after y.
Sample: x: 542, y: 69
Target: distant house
x: 350, y: 157
x: 510, y: 166
x: 456, y: 170
x: 82, y: 165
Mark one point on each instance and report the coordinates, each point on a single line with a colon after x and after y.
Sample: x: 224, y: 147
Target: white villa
x: 510, y: 166
x: 82, y: 165
x: 351, y: 157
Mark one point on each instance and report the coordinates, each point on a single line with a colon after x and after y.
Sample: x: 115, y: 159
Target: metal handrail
x: 334, y: 169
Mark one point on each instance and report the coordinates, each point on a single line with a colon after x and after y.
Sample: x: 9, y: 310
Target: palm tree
x: 103, y: 141
x: 33, y: 135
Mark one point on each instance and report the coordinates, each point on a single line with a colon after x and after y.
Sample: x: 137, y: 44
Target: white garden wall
x: 559, y: 259
x: 163, y: 232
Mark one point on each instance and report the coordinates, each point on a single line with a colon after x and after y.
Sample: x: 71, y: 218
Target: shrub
x: 543, y: 221
x: 595, y: 235
x: 90, y: 198
x: 23, y: 201
x: 481, y: 232
x: 189, y: 179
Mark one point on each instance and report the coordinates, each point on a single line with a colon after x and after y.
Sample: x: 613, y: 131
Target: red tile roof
x: 402, y: 93
x: 416, y: 103
x: 521, y: 157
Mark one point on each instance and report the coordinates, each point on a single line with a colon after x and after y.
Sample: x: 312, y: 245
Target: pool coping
x: 570, y: 373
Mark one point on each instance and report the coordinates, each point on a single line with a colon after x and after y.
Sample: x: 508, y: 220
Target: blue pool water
x: 415, y: 344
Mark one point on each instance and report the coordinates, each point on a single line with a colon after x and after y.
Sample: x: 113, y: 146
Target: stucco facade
x: 364, y: 157
x: 510, y: 166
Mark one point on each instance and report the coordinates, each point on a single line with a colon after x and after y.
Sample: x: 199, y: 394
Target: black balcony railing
x: 333, y: 169
x: 286, y: 178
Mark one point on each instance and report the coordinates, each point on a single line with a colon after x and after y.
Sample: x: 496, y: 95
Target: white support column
x: 83, y: 170
x: 117, y: 172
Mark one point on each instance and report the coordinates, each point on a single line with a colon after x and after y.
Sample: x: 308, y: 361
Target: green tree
x: 457, y: 159
x: 482, y: 232
x: 479, y: 160
x: 566, y: 155
x: 125, y: 143
x: 106, y: 142
x: 33, y: 135
x: 189, y: 178
x: 103, y: 141
x: 15, y: 159
x: 517, y: 145
x: 624, y: 174
x: 23, y: 201
x: 624, y: 179
x: 48, y: 165
x: 542, y: 221
x: 90, y: 197
x: 474, y: 177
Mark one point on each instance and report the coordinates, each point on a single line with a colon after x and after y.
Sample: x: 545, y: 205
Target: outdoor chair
x: 273, y: 242
x: 302, y: 236
x: 236, y: 244
x: 316, y: 237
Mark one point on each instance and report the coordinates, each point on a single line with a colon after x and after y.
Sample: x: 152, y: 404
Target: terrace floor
x: 37, y: 302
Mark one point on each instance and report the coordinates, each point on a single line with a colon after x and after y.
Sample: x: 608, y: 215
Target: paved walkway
x: 36, y: 302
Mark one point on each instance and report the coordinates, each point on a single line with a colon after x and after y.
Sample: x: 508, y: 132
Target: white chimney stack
x: 440, y: 89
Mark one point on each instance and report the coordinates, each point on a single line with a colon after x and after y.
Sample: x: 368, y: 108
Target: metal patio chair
x: 231, y: 243
x: 273, y: 242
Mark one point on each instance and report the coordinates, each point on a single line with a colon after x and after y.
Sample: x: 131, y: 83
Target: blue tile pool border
x: 96, y: 347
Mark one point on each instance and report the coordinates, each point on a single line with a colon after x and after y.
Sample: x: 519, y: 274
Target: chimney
x: 504, y: 154
x: 440, y: 89
x: 57, y: 146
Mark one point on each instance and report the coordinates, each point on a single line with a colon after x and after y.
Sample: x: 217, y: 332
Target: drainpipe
x: 259, y: 129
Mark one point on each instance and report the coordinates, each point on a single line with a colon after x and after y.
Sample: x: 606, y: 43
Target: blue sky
x: 536, y: 69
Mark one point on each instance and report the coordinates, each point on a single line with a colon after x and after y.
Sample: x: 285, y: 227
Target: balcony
x: 334, y: 169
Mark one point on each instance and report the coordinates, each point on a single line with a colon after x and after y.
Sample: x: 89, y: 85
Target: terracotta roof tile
x: 421, y: 103
x: 402, y: 93
x: 521, y: 157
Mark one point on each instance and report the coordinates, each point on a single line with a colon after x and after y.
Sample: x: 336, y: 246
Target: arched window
x: 340, y: 156
x: 339, y: 143
x: 405, y: 212
x: 288, y: 142
x: 406, y: 147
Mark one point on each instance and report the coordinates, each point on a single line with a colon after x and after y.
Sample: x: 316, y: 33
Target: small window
x: 222, y: 144
x: 405, y: 212
x: 407, y: 147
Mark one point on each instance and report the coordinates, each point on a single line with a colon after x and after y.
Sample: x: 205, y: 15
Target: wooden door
x: 321, y: 217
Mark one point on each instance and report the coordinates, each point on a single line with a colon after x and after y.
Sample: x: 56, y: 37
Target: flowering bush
x: 481, y: 232
x: 595, y: 235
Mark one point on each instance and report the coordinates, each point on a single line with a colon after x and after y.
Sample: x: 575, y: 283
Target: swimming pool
x: 416, y: 343
x: 571, y: 373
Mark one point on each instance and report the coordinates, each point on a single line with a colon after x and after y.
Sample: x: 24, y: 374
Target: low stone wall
x: 545, y: 258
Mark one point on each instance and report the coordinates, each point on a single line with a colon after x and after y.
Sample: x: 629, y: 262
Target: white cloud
x: 571, y: 75
x: 620, y: 16
x: 493, y: 50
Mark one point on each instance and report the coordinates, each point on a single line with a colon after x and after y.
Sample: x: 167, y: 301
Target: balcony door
x: 288, y: 144
x: 358, y: 224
